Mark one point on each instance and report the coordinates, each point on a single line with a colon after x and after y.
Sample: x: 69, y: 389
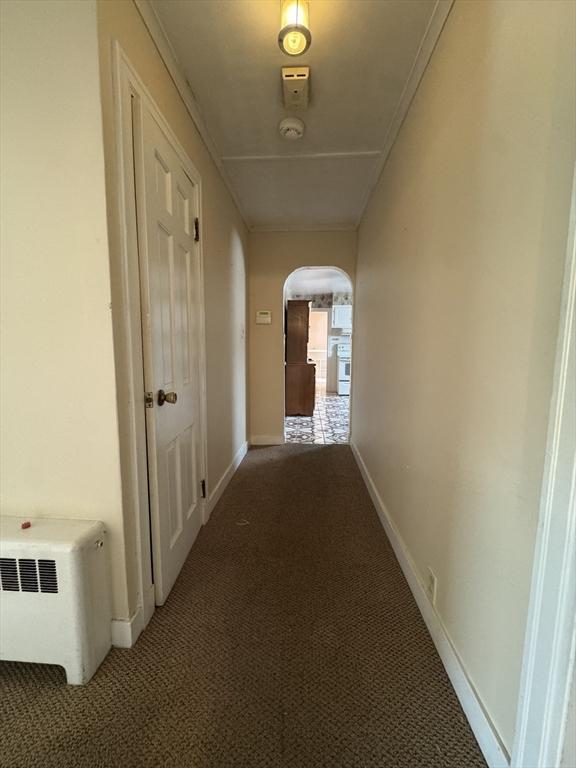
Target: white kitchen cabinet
x: 342, y: 316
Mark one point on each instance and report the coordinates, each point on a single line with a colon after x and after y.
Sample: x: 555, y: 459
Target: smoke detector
x: 291, y: 128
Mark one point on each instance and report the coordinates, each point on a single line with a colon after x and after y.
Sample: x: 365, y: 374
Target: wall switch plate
x: 432, y: 586
x: 263, y: 317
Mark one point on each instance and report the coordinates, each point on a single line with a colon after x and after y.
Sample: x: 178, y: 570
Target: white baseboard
x: 481, y: 724
x: 224, y: 480
x: 267, y: 440
x: 125, y: 632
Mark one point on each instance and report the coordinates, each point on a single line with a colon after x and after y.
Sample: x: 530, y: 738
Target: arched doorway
x: 317, y: 353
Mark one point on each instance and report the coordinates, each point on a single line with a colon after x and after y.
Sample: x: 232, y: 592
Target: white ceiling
x: 315, y: 280
x: 365, y: 60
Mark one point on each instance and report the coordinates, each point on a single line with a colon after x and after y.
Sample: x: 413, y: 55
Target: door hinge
x: 203, y: 486
x: 149, y: 399
x: 196, y: 230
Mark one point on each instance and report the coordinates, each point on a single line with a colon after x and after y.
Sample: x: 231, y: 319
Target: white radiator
x: 54, y: 594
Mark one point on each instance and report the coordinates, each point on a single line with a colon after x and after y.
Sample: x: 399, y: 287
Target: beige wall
x: 60, y: 454
x: 457, y: 301
x: 274, y: 256
x: 223, y: 240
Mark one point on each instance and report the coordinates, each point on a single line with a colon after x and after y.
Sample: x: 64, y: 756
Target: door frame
x: 130, y: 97
x: 550, y: 641
x: 284, y: 299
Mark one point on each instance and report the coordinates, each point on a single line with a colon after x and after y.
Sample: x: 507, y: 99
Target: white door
x: 167, y: 208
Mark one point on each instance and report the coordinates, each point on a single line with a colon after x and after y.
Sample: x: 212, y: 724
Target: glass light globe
x: 294, y: 38
x: 294, y: 43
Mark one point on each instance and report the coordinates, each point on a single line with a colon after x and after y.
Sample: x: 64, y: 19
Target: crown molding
x: 168, y: 56
x: 426, y: 49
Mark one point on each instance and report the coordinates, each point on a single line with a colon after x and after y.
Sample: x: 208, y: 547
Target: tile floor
x: 329, y: 424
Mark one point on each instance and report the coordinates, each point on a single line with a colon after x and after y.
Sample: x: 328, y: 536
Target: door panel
x: 167, y: 202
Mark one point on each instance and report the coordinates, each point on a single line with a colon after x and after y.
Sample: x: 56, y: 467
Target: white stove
x: 344, y: 352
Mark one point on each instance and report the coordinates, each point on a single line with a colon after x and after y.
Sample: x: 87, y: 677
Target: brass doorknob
x: 166, y: 397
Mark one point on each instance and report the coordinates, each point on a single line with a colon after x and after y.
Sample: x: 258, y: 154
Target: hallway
x: 421, y: 153
x: 290, y: 639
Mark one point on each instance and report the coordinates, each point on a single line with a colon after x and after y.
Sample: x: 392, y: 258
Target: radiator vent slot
x: 26, y: 575
x: 9, y: 574
x: 48, y: 580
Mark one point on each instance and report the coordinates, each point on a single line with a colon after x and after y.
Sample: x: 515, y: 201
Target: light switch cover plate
x: 263, y: 317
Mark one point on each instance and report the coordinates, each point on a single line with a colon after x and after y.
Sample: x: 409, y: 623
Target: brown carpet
x: 292, y: 640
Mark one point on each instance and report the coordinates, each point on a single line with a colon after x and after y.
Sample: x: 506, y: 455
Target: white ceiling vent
x: 291, y: 128
x: 296, y: 87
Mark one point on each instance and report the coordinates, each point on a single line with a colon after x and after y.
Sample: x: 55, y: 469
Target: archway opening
x: 317, y: 354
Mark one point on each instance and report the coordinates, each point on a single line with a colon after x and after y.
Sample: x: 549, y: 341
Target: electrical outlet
x: 432, y: 586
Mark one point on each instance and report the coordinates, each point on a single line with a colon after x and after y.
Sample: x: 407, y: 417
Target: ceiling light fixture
x: 294, y: 37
